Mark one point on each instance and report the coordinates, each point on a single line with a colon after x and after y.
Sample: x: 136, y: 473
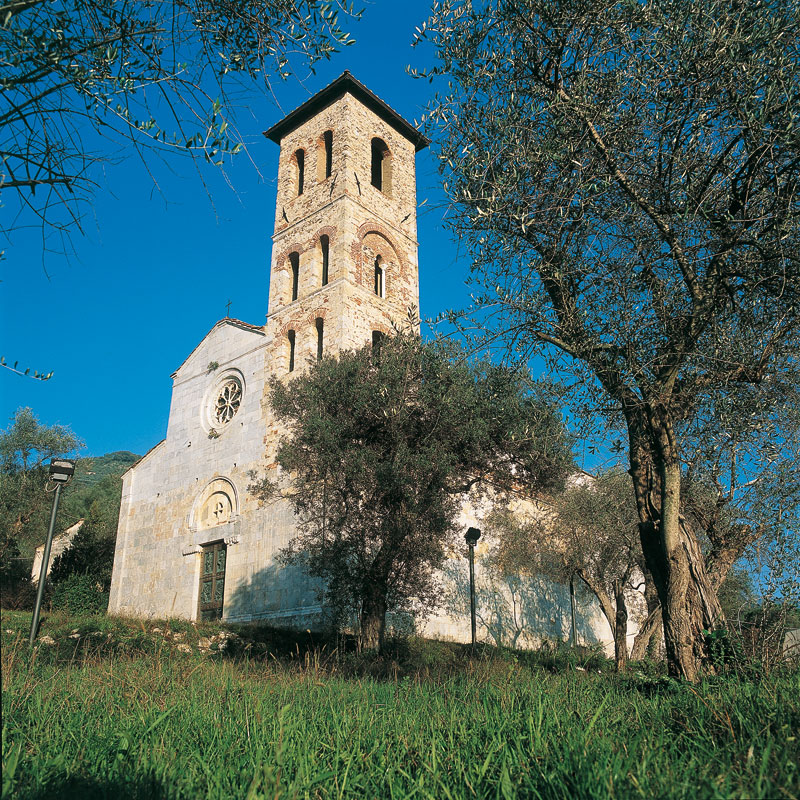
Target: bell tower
x: 344, y: 254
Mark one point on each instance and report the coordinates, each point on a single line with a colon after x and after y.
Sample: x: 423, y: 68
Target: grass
x: 119, y: 711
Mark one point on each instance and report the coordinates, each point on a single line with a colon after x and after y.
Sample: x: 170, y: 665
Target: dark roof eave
x: 332, y: 92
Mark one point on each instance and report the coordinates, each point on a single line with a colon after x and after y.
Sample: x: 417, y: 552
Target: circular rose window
x: 229, y: 397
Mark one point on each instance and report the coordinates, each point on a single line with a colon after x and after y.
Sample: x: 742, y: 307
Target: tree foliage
x: 81, y: 77
x: 381, y: 453
x: 626, y: 176
x: 25, y: 446
x: 591, y: 532
x: 91, y: 552
x: 92, y: 495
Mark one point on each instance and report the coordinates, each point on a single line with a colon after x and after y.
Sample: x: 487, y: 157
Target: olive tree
x: 25, y: 447
x: 382, y: 447
x: 626, y: 176
x: 590, y: 532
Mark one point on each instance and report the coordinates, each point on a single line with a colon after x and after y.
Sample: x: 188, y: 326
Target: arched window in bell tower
x: 294, y: 263
x: 300, y: 170
x: 324, y: 246
x: 380, y: 278
x: 325, y: 156
x: 381, y: 171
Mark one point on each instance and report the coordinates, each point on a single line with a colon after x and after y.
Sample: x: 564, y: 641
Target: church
x: 192, y: 541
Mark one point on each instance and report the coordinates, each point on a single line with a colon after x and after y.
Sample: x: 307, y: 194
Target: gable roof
x: 333, y: 91
x: 237, y: 323
x: 139, y: 460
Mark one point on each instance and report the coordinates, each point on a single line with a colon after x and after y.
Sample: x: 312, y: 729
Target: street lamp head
x: 61, y: 470
x: 472, y: 535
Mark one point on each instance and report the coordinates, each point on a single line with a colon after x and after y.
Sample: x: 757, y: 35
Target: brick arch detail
x: 328, y: 231
x: 282, y: 262
x: 295, y: 324
x: 357, y: 252
x: 320, y: 313
x: 384, y: 329
x: 283, y: 258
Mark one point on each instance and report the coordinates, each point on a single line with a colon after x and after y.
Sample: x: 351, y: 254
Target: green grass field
x: 115, y: 710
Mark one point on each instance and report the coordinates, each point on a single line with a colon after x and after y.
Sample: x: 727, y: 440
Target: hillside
x: 110, y: 464
x: 97, y: 485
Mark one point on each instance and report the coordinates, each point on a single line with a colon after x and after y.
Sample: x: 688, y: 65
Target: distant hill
x: 97, y: 482
x: 110, y: 464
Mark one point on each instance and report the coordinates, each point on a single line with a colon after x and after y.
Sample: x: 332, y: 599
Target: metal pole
x: 472, y: 590
x: 574, y: 635
x: 43, y: 571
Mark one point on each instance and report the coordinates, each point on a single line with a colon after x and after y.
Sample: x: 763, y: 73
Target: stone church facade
x: 192, y: 541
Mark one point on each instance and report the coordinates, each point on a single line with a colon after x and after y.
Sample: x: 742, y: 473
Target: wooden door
x: 212, y: 581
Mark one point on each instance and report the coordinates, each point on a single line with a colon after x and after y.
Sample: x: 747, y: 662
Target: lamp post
x: 573, y: 632
x: 61, y: 470
x: 471, y: 536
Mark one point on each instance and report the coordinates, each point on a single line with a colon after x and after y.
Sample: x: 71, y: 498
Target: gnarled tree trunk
x: 620, y: 627
x: 373, y: 619
x: 689, y: 604
x: 651, y: 628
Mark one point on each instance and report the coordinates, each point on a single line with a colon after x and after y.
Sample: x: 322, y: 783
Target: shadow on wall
x: 282, y: 595
x: 514, y: 610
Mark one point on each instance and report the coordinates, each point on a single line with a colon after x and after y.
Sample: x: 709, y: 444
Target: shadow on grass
x: 72, y: 787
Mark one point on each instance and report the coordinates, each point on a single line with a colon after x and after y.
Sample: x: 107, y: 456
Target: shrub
x: 79, y: 594
x: 90, y: 553
x: 16, y: 589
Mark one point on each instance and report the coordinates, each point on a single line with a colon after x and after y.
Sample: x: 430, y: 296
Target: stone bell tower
x: 344, y: 255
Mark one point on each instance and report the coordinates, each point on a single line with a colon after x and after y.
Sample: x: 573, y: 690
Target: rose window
x: 227, y: 402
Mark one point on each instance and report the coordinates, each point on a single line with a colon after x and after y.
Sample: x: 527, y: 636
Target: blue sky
x: 159, y: 263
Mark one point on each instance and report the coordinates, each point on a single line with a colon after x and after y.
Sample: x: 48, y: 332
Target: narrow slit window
x: 294, y: 262
x: 291, y: 337
x: 325, y: 244
x: 320, y: 331
x: 380, y: 278
x: 300, y: 158
x: 327, y: 144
